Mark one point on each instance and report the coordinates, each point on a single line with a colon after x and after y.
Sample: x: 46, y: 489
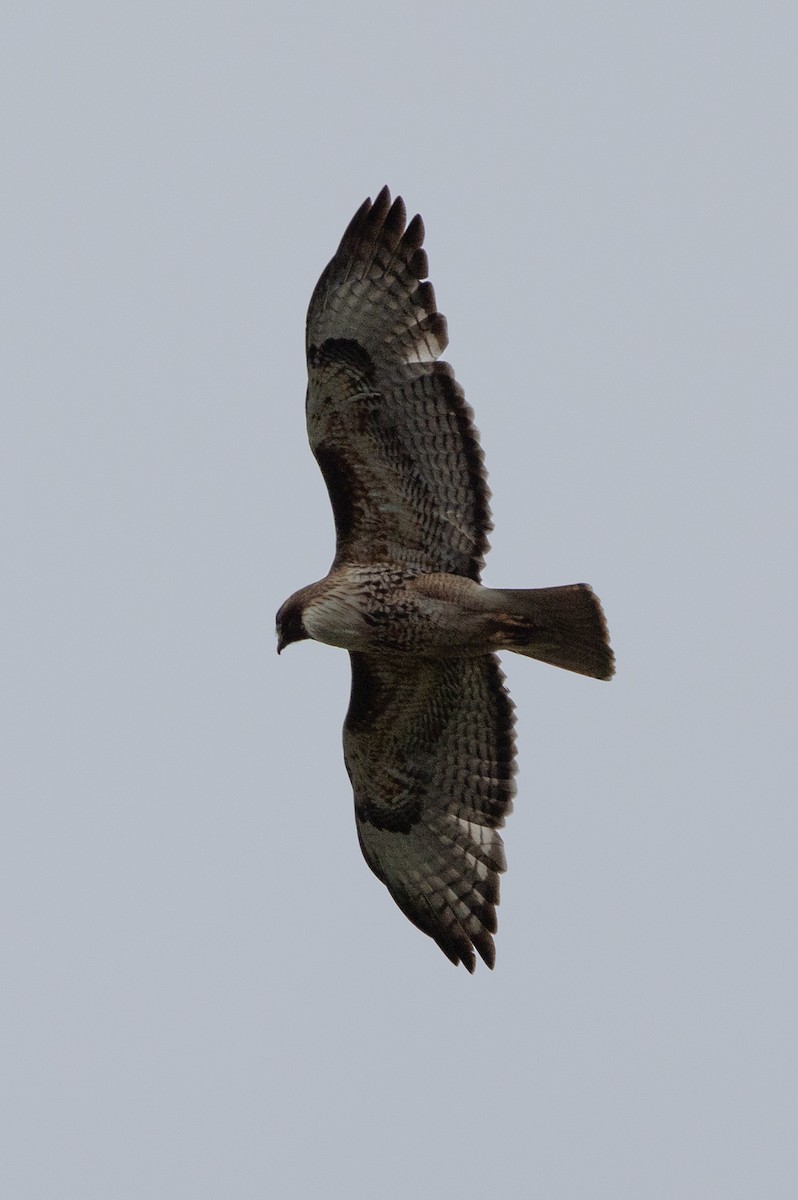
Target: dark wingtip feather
x: 381, y: 207
x: 419, y: 263
x: 458, y: 949
x: 487, y: 949
x: 370, y: 216
x: 352, y: 231
x: 394, y: 222
x: 414, y: 234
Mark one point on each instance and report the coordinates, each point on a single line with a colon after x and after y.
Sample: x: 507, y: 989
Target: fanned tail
x: 564, y: 626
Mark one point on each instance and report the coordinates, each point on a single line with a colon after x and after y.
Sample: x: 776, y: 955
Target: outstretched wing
x: 388, y: 423
x: 430, y: 749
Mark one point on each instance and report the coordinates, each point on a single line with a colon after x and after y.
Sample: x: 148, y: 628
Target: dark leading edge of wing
x: 388, y: 423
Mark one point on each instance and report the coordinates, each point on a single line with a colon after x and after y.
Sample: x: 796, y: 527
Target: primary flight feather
x: 428, y: 739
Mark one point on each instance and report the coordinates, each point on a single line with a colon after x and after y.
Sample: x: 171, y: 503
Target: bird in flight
x: 429, y: 735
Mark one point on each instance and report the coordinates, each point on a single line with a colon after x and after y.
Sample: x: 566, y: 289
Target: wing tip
x: 370, y: 215
x: 463, y: 952
x: 413, y: 237
x: 384, y: 217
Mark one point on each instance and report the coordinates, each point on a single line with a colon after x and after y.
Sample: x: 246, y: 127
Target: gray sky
x: 205, y: 991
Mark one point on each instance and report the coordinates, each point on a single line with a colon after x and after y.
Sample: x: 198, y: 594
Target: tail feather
x: 564, y: 626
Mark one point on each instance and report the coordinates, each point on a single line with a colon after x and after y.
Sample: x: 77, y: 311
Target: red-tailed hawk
x: 428, y: 738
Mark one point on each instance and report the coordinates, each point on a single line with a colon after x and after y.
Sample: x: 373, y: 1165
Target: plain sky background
x: 205, y: 993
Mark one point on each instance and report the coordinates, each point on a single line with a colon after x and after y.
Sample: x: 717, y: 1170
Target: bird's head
x: 290, y: 626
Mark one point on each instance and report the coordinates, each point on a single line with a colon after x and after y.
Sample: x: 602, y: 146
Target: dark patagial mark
x: 472, y: 452
x: 367, y: 698
x: 341, y: 483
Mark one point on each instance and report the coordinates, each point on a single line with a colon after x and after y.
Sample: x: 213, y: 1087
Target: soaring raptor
x: 428, y: 738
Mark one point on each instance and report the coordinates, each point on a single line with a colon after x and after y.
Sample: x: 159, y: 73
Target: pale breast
x: 337, y: 619
x: 382, y: 608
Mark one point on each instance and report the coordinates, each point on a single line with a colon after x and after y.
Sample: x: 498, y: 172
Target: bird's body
x: 386, y: 610
x: 428, y: 738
